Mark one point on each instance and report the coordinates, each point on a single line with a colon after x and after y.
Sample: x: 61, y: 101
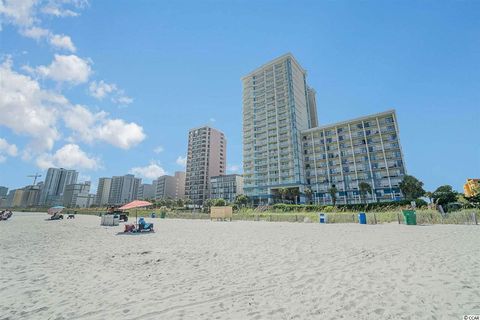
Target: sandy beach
x: 197, y: 269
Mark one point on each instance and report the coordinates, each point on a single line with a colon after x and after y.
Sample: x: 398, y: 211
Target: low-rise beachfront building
x: 344, y: 154
x: 226, y: 187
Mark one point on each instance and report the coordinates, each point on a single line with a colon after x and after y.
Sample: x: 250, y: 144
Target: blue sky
x: 112, y: 87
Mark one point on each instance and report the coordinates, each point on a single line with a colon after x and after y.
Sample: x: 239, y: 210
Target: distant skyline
x: 110, y: 88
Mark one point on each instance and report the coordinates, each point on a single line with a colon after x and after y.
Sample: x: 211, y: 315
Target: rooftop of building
x: 205, y: 126
x: 328, y: 126
x: 276, y: 60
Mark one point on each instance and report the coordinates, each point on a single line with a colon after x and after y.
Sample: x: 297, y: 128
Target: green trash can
x: 163, y: 214
x: 410, y: 217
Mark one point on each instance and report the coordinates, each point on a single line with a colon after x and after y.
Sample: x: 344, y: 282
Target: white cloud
x: 151, y: 171
x: 18, y: 12
x: 55, y: 11
x: 24, y: 14
x: 181, y: 161
x: 121, y: 134
x: 27, y: 109
x: 90, y: 126
x: 123, y: 100
x: 58, y: 41
x: 36, y: 33
x: 233, y: 168
x: 62, y: 42
x: 7, y: 149
x: 64, y: 68
x: 158, y: 149
x: 101, y: 89
x: 69, y: 156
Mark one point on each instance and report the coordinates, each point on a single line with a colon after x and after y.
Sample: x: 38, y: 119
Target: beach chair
x: 144, y: 226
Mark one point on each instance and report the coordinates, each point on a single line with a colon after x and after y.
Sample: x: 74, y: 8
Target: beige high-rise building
x: 103, y: 191
x: 207, y: 157
x: 170, y: 187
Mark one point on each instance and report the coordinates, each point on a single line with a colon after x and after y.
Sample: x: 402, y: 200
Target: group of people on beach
x: 5, y: 214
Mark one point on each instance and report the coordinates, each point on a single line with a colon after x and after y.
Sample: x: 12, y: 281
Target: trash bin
x: 323, y: 218
x: 362, y: 218
x: 152, y: 214
x: 163, y: 214
x: 410, y: 217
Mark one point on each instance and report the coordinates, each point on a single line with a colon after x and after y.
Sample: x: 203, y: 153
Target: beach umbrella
x: 55, y: 210
x: 135, y: 205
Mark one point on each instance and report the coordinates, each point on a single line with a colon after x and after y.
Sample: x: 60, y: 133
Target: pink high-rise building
x: 207, y: 157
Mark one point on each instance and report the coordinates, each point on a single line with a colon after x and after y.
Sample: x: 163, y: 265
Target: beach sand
x: 198, y: 269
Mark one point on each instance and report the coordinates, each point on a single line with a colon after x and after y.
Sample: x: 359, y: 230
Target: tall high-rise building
x: 275, y: 111
x: 54, y: 186
x: 283, y: 147
x: 345, y: 154
x: 123, y: 189
x: 170, y: 187
x: 78, y: 195
x: 207, y: 154
x: 146, y: 191
x: 103, y: 191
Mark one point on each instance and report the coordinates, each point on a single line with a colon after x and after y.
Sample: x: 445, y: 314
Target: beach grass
x: 424, y: 216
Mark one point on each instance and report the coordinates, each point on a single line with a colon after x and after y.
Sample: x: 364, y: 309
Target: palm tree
x: 429, y: 195
x: 333, y: 194
x: 364, y: 188
x: 308, y: 192
x: 283, y: 192
x: 294, y: 193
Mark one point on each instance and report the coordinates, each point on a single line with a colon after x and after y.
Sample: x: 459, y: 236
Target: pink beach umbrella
x: 134, y: 205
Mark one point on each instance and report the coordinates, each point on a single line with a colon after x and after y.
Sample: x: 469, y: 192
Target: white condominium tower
x: 207, y: 154
x: 276, y: 109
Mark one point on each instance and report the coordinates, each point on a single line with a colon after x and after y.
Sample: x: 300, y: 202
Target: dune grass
x: 424, y: 216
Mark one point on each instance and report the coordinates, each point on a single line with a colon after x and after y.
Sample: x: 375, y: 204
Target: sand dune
x: 197, y: 269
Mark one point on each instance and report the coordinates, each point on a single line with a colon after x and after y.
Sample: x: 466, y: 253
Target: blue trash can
x: 322, y: 218
x: 362, y: 218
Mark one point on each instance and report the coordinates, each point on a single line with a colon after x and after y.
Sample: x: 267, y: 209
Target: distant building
x: 31, y: 196
x: 17, y: 198
x: 3, y: 192
x: 123, y: 189
x: 170, y: 187
x: 54, y: 185
x: 344, y: 154
x: 471, y: 187
x: 8, y: 203
x: 226, y: 187
x: 146, y: 192
x: 22, y: 198
x: 103, y: 191
x: 206, y: 157
x: 78, y: 195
